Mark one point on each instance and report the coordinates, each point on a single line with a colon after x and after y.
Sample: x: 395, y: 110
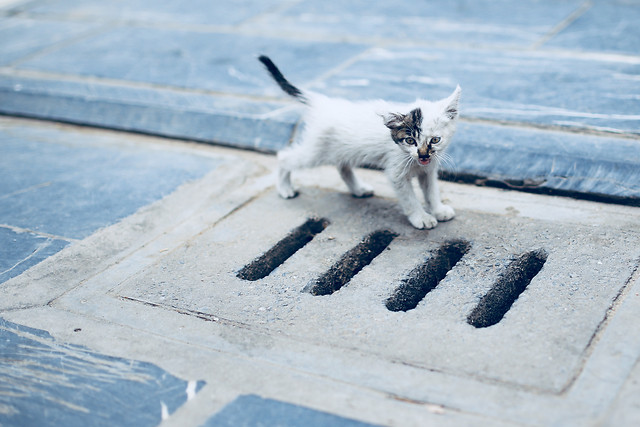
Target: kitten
x: 405, y: 140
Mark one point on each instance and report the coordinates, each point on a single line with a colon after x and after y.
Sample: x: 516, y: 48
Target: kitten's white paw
x: 444, y: 213
x: 287, y: 192
x: 363, y: 190
x: 422, y: 219
x: 283, y: 184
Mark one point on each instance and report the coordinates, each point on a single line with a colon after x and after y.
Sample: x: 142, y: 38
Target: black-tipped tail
x: 280, y: 79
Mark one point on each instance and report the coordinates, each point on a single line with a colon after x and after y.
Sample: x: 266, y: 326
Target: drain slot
x: 283, y: 250
x: 497, y: 302
x: 426, y: 277
x: 352, y: 262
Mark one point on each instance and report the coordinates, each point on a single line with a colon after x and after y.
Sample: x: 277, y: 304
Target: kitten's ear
x: 393, y: 120
x: 451, y: 104
x: 416, y: 117
x: 397, y: 121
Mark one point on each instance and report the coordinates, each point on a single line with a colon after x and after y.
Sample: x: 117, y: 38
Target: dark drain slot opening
x: 497, y: 302
x: 283, y: 250
x: 352, y: 262
x: 426, y: 277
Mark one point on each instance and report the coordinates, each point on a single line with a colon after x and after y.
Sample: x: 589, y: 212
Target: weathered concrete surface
x: 160, y: 287
x: 542, y: 339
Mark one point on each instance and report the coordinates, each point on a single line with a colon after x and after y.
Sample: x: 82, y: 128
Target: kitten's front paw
x: 422, y: 220
x: 444, y: 213
x: 363, y: 190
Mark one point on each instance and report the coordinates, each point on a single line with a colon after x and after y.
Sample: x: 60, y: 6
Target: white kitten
x: 405, y: 140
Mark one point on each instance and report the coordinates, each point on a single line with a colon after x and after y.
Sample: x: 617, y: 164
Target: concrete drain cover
x: 497, y: 298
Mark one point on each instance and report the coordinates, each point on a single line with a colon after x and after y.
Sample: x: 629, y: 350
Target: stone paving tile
x: 22, y: 250
x: 251, y: 410
x: 598, y: 167
x: 524, y: 86
x: 608, y: 26
x: 21, y: 37
x: 59, y: 185
x: 46, y: 382
x: 76, y: 186
x: 498, y: 23
x: 193, y: 60
x: 203, y: 12
x: 265, y: 126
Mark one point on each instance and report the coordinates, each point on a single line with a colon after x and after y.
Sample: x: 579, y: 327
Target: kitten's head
x: 425, y: 131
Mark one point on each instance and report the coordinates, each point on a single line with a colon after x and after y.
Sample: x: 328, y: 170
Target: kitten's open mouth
x: 424, y: 162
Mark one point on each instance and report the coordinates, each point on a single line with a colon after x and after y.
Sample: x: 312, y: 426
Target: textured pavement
x: 148, y: 315
x: 120, y: 300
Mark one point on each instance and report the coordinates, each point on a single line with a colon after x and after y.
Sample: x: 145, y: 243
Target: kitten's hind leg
x: 289, y: 159
x: 356, y: 187
x: 285, y: 189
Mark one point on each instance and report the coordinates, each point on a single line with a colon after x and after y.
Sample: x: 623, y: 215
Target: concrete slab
x: 543, y: 337
x: 165, y: 277
x: 626, y: 408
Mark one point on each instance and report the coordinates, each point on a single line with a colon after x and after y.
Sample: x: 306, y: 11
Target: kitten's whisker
x: 447, y: 160
x: 404, y: 164
x: 407, y: 164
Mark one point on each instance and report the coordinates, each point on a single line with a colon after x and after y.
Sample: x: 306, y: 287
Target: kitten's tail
x: 280, y: 79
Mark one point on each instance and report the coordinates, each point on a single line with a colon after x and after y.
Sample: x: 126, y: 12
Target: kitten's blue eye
x: 435, y: 139
x: 410, y: 141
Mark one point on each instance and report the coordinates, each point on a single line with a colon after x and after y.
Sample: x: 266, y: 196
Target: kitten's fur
x: 405, y: 140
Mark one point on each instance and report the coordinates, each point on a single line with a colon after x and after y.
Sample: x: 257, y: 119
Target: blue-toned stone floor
x: 252, y: 410
x: 59, y: 186
x: 44, y: 382
x: 527, y: 68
